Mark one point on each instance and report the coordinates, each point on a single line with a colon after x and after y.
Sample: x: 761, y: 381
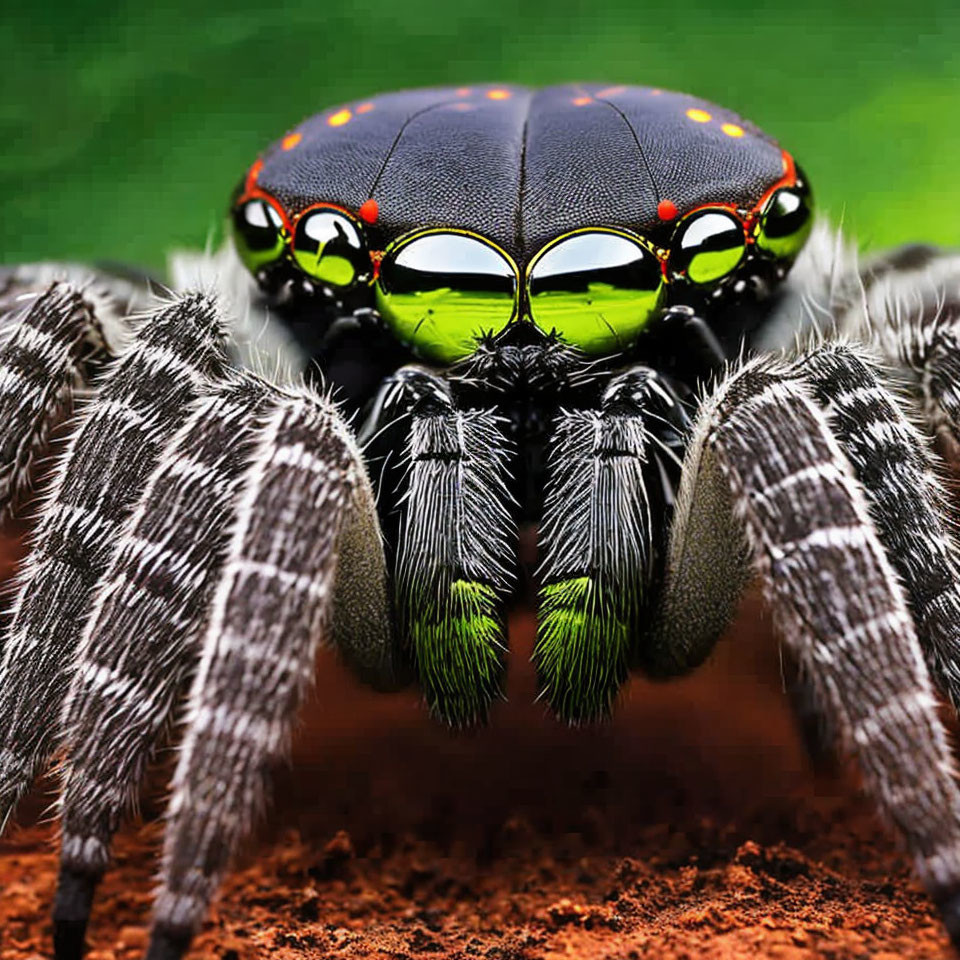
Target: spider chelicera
x: 566, y: 308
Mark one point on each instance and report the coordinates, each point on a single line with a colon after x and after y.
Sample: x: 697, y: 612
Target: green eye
x: 708, y: 246
x: 786, y: 221
x: 257, y: 233
x: 596, y: 289
x: 330, y: 248
x: 441, y: 291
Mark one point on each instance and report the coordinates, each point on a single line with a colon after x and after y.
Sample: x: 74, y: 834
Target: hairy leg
x: 272, y: 606
x: 141, y: 639
x: 907, y: 503
x: 112, y: 452
x: 836, y: 599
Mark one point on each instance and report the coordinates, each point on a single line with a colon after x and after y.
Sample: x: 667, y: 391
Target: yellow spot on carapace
x: 582, y: 101
x: 732, y: 130
x: 463, y: 91
x: 365, y: 108
x: 611, y: 91
x: 339, y: 118
x: 498, y: 94
x: 290, y: 141
x: 699, y: 116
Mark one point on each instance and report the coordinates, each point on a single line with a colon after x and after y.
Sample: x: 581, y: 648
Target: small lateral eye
x: 596, y: 289
x: 441, y: 292
x: 786, y: 221
x: 331, y: 248
x: 258, y: 233
x: 708, y: 246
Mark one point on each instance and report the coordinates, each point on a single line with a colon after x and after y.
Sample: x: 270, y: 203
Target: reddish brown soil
x: 691, y: 826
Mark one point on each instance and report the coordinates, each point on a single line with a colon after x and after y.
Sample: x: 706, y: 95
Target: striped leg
x: 455, y: 552
x: 907, y: 504
x: 140, y: 643
x: 836, y: 600
x: 271, y: 608
x: 910, y: 309
x: 108, y: 460
x: 598, y: 534
x: 42, y: 358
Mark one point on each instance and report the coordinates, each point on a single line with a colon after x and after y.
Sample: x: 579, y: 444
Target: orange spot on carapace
x: 582, y: 101
x: 699, y: 116
x: 499, y: 94
x: 291, y: 140
x: 365, y: 107
x: 463, y: 91
x: 655, y: 92
x: 339, y: 118
x: 666, y: 209
x: 732, y: 130
x: 611, y: 91
x: 369, y: 210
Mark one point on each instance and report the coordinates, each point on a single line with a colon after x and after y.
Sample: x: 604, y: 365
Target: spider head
x: 452, y: 216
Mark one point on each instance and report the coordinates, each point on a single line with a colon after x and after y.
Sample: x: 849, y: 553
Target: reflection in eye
x: 596, y: 289
x: 708, y: 246
x: 257, y: 233
x: 441, y: 291
x: 786, y: 222
x: 330, y: 248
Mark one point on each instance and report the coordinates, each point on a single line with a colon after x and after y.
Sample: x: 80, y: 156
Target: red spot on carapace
x: 582, y: 101
x: 365, y: 108
x: 369, y: 210
x: 291, y: 140
x: 252, y: 175
x: 666, y: 209
x: 463, y: 91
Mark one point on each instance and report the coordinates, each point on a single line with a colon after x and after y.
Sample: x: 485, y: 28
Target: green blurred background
x: 125, y: 125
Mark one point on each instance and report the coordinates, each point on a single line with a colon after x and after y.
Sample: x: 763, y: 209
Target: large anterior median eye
x: 596, y: 289
x: 330, y: 248
x: 708, y: 246
x: 441, y: 291
x: 786, y: 221
x: 257, y: 233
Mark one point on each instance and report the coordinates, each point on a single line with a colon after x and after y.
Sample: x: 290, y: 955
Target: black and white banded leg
x: 766, y: 466
x: 611, y: 476
x: 142, y: 637
x: 113, y: 450
x: 304, y: 509
x: 905, y: 499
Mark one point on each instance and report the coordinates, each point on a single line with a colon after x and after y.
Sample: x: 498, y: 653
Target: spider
x: 605, y: 311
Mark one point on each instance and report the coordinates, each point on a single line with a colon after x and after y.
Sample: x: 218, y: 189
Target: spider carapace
x: 602, y: 310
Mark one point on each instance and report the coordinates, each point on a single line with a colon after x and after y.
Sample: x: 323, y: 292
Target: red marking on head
x: 666, y: 209
x: 369, y: 210
x: 252, y: 175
